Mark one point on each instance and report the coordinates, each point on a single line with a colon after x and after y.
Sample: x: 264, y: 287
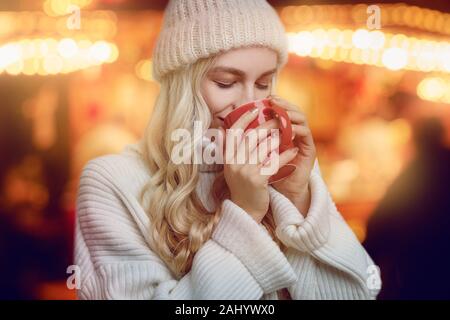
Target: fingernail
x: 295, y: 150
x: 254, y: 110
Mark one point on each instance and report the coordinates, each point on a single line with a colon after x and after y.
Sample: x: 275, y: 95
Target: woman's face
x: 238, y: 76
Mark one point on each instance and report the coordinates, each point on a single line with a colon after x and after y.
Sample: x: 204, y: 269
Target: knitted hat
x: 194, y: 29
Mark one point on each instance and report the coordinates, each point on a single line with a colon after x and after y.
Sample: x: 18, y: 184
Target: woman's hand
x: 296, y: 186
x: 245, y: 160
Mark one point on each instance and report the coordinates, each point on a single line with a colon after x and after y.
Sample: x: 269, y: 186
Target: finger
x: 270, y: 124
x: 287, y: 156
x: 245, y: 119
x: 305, y: 140
x: 252, y: 137
x: 297, y: 116
x: 283, y: 103
x: 242, y: 154
x: 250, y: 148
x: 301, y: 130
x: 264, y: 163
x: 276, y: 161
x: 263, y: 150
x: 304, y: 133
x: 249, y: 140
x: 270, y: 166
x: 263, y: 131
x: 294, y: 113
x: 236, y: 131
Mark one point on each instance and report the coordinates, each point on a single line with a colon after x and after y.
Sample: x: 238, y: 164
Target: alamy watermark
x: 374, y: 19
x: 74, y: 20
x: 373, y: 281
x: 209, y: 148
x: 74, y: 280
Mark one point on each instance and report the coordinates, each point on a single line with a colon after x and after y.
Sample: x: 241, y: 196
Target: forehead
x: 250, y: 61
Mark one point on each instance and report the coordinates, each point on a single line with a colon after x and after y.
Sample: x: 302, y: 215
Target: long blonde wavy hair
x: 180, y: 224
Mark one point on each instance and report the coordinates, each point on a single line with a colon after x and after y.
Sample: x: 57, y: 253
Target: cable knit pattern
x: 324, y: 260
x: 304, y: 234
x: 194, y: 29
x: 264, y: 260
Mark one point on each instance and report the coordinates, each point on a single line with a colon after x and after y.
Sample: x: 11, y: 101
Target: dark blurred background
x: 75, y: 83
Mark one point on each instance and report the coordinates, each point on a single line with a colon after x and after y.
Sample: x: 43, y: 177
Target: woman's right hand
x: 248, y: 186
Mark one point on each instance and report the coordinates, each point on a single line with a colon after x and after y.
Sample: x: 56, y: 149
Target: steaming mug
x: 268, y: 111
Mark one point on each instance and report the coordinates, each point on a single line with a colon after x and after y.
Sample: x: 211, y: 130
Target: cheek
x: 217, y: 98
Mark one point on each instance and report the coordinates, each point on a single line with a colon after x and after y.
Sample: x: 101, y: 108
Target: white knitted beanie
x: 194, y: 29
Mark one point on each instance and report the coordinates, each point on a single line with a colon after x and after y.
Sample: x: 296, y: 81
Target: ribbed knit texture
x: 324, y: 260
x: 194, y: 29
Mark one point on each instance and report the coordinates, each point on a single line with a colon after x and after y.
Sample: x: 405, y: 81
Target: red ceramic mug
x: 268, y: 111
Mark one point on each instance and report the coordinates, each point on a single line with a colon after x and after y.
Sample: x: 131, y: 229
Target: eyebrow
x: 238, y: 72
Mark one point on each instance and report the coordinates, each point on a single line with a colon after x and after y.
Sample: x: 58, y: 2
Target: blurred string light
x: 63, y: 7
x: 392, y: 15
x: 50, y: 56
x: 392, y: 51
x: 94, y: 24
x: 144, y: 70
x: 435, y: 89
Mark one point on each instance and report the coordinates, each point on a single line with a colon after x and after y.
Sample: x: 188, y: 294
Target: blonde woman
x: 150, y: 228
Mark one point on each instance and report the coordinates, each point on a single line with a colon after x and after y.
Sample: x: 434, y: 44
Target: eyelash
x: 228, y: 86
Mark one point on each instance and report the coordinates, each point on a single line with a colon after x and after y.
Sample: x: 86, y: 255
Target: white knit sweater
x: 324, y: 259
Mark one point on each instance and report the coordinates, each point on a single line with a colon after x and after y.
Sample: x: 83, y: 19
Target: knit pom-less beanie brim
x: 195, y: 29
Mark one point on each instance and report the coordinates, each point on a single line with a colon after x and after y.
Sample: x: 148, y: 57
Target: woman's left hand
x: 296, y: 186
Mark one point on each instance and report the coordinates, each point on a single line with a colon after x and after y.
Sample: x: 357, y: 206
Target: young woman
x: 148, y: 228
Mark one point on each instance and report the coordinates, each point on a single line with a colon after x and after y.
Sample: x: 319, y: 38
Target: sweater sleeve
x: 240, y: 261
x: 324, y: 252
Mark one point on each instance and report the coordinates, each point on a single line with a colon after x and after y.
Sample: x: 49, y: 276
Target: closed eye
x: 262, y: 86
x: 229, y: 85
x: 224, y: 85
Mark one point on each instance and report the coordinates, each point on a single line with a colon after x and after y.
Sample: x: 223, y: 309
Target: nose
x: 248, y: 95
